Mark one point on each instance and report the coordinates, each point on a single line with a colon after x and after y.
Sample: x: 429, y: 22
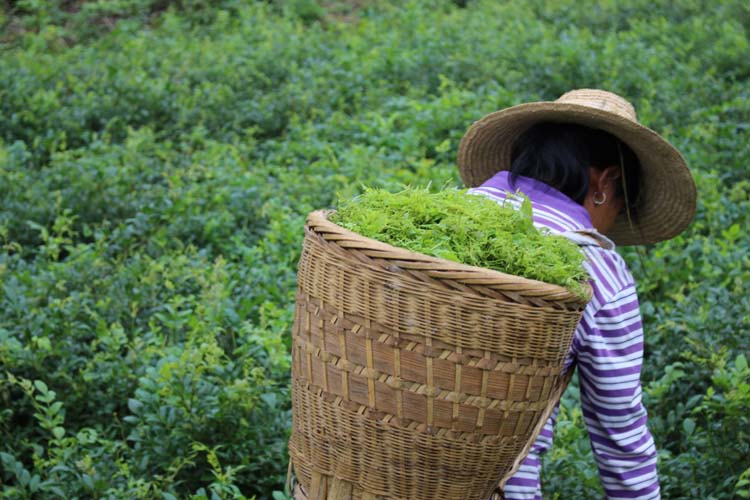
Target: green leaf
x: 44, y: 344
x: 134, y: 405
x: 88, y: 481
x: 688, y: 425
x: 34, y: 483
x: 444, y: 146
x: 41, y: 386
x: 58, y: 432
x: 740, y: 362
x: 54, y: 408
x: 24, y: 477
x: 270, y: 398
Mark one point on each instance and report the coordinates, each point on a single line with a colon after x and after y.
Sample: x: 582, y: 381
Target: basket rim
x: 319, y: 219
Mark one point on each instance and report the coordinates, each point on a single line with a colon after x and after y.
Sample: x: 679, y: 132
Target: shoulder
x: 610, y: 276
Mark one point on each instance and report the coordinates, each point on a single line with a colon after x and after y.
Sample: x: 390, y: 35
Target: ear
x: 604, y: 180
x: 607, y: 178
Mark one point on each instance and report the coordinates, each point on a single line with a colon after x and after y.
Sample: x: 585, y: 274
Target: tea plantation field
x: 157, y: 160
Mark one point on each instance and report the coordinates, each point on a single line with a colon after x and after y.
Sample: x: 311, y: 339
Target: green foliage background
x: 157, y: 160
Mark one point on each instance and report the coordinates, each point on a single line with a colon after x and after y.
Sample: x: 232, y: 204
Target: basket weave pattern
x: 415, y: 377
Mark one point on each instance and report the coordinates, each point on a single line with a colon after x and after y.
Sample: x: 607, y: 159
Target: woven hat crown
x: 600, y: 99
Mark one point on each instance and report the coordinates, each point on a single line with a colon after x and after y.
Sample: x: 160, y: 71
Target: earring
x: 601, y: 201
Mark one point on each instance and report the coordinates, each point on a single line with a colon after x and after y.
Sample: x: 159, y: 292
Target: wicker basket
x: 417, y: 378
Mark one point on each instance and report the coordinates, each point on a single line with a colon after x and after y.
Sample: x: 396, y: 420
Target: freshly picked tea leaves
x: 472, y: 229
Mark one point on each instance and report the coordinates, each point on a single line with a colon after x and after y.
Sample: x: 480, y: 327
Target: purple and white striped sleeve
x: 609, y: 352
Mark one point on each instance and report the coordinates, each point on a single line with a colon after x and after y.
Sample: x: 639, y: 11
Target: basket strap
x: 288, y: 483
x: 589, y: 238
x: 553, y: 402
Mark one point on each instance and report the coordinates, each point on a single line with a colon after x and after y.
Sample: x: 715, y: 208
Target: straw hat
x: 667, y: 195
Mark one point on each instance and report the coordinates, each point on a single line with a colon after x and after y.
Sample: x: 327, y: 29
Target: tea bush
x: 157, y: 160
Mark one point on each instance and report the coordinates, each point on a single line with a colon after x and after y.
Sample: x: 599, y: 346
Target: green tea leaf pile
x: 472, y: 229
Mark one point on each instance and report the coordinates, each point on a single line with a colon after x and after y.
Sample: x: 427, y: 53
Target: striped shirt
x: 608, y: 350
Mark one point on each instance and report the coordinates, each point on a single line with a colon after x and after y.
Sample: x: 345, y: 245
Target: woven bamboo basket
x: 414, y: 377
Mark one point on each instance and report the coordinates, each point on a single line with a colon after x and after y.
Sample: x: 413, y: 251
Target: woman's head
x: 590, y: 166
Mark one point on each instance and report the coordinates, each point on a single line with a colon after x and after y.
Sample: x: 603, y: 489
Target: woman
x: 594, y: 174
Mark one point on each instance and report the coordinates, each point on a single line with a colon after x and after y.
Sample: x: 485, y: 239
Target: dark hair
x: 560, y: 154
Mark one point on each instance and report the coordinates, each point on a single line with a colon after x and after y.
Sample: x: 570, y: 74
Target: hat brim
x: 667, y: 197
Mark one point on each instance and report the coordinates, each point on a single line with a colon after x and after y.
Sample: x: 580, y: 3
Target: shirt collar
x: 540, y: 193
